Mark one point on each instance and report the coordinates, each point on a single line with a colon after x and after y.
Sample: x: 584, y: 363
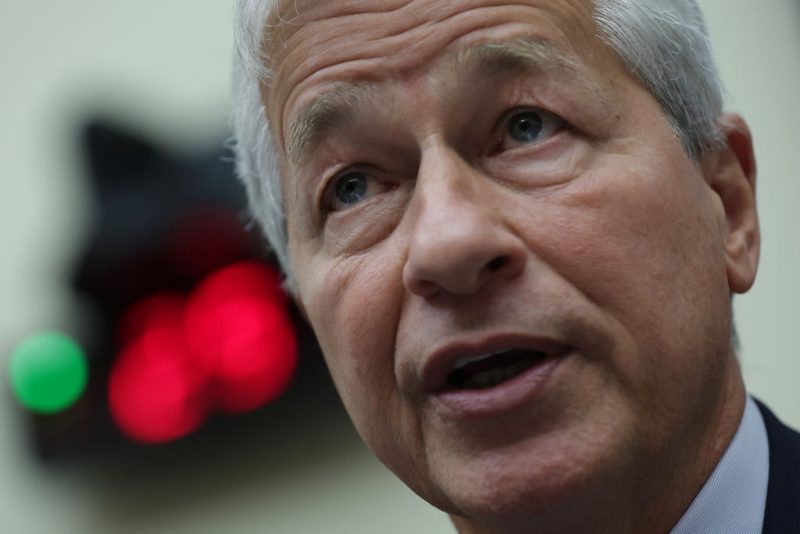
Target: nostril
x: 497, y: 263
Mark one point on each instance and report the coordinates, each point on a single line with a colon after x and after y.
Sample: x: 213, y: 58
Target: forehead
x: 483, y: 66
x: 314, y: 42
x: 368, y: 20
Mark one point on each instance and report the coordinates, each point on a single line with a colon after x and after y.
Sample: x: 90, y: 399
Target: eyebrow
x: 326, y: 112
x: 495, y: 58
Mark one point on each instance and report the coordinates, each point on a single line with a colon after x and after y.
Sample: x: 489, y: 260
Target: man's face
x: 481, y: 178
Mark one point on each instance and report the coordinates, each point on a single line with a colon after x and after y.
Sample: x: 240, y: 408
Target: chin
x: 552, y: 476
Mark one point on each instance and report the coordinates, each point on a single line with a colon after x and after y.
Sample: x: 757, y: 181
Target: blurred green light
x: 48, y: 372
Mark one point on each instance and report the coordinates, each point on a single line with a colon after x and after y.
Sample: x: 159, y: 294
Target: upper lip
x: 438, y: 365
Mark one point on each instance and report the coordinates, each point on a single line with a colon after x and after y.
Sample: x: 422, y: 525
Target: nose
x: 460, y: 241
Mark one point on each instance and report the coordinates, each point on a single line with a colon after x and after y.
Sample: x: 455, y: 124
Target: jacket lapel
x: 782, y: 512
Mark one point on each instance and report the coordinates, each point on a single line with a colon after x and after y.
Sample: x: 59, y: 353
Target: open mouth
x: 489, y: 370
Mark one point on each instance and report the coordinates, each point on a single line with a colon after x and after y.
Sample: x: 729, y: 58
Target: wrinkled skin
x: 611, y: 241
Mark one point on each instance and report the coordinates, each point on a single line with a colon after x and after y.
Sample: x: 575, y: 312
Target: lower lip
x: 503, y: 398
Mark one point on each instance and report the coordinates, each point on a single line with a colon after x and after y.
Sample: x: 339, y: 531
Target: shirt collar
x: 734, y: 496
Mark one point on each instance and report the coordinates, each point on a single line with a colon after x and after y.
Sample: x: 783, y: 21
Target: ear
x: 731, y: 173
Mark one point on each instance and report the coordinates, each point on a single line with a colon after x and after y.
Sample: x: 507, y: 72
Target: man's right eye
x: 349, y: 189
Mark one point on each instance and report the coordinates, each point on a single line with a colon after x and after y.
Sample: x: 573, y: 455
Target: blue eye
x: 525, y: 127
x: 350, y: 188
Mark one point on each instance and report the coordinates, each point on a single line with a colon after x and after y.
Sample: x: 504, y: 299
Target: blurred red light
x: 155, y: 393
x: 230, y: 346
x: 247, y: 278
x: 238, y: 329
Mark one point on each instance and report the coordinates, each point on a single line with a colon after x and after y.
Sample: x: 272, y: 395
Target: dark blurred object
x: 161, y: 222
x: 162, y: 225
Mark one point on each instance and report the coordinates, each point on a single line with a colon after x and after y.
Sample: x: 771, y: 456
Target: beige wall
x: 758, y: 46
x: 164, y: 66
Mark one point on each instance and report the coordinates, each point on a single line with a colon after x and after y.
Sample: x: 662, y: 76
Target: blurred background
x: 114, y: 118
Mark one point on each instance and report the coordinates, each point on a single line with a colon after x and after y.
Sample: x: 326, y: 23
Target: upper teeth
x: 461, y: 362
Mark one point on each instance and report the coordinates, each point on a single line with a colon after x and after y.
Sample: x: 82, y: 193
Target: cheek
x: 353, y: 306
x: 629, y: 233
x: 643, y: 248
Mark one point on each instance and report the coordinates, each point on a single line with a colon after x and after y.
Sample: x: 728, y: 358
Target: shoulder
x: 782, y: 513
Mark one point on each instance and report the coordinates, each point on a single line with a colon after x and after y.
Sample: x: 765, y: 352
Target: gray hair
x: 663, y: 42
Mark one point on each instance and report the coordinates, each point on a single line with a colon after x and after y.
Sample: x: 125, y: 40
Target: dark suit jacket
x: 782, y: 513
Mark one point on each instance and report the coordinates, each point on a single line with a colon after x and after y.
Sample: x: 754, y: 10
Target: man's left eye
x: 526, y: 126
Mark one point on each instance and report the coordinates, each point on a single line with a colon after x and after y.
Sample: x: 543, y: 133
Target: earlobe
x: 732, y: 176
